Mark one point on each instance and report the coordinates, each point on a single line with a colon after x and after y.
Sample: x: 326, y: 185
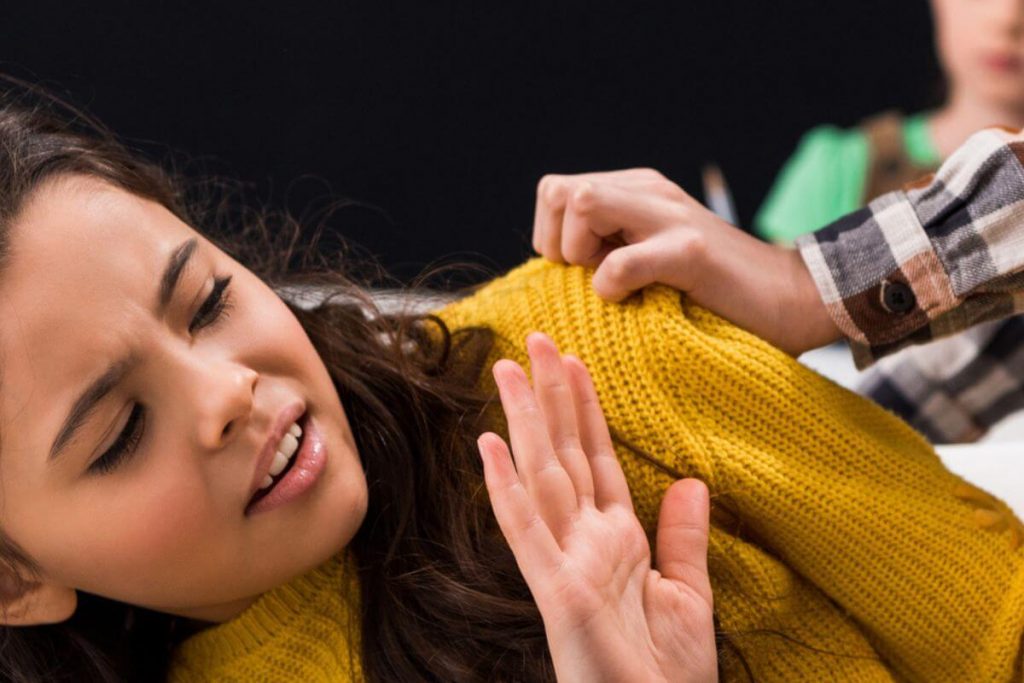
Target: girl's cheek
x: 172, y: 517
x: 151, y: 541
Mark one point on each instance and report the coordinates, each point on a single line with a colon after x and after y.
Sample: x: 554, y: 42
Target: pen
x: 717, y: 195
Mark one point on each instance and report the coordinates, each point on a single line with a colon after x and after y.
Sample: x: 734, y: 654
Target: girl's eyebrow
x: 175, y: 264
x: 101, y: 386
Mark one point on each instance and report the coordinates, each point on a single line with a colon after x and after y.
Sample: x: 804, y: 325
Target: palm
x: 639, y: 624
x: 608, y: 615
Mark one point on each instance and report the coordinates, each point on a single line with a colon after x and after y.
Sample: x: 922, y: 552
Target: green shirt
x: 824, y: 179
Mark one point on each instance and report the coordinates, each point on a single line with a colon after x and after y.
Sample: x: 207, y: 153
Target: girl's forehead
x: 78, y: 286
x: 81, y: 252
x: 86, y: 221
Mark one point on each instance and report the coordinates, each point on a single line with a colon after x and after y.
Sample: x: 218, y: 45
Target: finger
x: 682, y: 542
x: 553, y: 192
x: 551, y: 385
x: 601, y: 208
x: 626, y: 270
x: 537, y: 553
x: 610, y: 487
x: 547, y: 217
x: 623, y: 205
x: 538, y: 466
x: 625, y: 177
x: 677, y: 260
x: 584, y: 231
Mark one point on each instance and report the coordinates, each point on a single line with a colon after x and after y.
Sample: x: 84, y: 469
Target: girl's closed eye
x: 215, y: 307
x: 126, y: 443
x: 213, y: 310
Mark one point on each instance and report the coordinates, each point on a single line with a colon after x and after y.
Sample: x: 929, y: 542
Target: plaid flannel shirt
x: 937, y: 258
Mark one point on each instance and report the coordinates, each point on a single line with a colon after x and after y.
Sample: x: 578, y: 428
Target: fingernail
x: 495, y: 369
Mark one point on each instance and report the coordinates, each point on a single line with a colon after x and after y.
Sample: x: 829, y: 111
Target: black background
x: 443, y: 115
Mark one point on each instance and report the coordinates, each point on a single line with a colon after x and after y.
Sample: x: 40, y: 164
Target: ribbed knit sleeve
x: 841, y: 548
x: 845, y: 494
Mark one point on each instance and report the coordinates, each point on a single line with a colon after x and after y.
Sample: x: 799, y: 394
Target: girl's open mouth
x: 302, y: 471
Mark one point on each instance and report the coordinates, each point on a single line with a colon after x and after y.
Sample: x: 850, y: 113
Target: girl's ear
x: 35, y: 603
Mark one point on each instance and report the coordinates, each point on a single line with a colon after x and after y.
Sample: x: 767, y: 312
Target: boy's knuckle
x: 649, y: 173
x: 692, y: 246
x: 548, y: 188
x: 673, y: 192
x: 682, y: 213
x: 584, y: 199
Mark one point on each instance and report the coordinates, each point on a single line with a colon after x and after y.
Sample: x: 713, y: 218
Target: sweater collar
x: 319, y: 592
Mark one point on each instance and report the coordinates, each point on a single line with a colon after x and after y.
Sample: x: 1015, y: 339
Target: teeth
x: 285, y: 450
x: 289, y: 444
x: 279, y: 463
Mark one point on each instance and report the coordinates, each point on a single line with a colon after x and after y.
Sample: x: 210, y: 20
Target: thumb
x: 682, y: 544
x: 627, y: 269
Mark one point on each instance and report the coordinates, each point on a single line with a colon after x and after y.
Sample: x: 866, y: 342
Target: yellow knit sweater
x: 841, y: 548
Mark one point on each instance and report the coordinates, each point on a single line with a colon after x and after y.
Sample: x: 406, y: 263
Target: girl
x: 152, y: 379
x: 198, y: 454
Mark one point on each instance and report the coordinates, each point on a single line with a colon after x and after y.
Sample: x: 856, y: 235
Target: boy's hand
x: 637, y: 227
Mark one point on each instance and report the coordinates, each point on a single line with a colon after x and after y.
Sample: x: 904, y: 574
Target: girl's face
x: 165, y: 526
x: 981, y: 47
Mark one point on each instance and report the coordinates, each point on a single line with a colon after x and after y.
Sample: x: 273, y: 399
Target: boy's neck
x: 963, y: 115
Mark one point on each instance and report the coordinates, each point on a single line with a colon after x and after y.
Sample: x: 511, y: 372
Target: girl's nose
x: 223, y: 401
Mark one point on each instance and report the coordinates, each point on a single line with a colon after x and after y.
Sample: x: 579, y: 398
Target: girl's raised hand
x: 566, y: 511
x: 637, y: 227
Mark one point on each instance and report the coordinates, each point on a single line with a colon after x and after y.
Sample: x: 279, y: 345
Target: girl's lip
x: 309, y: 464
x: 285, y: 418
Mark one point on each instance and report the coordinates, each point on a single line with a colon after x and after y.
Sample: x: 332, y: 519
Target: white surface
x: 835, y: 362
x: 996, y: 463
x: 996, y: 467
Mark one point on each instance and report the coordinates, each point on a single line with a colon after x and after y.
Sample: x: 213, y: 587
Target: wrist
x: 811, y: 324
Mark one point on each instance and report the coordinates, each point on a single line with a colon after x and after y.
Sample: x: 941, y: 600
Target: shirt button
x: 897, y: 297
